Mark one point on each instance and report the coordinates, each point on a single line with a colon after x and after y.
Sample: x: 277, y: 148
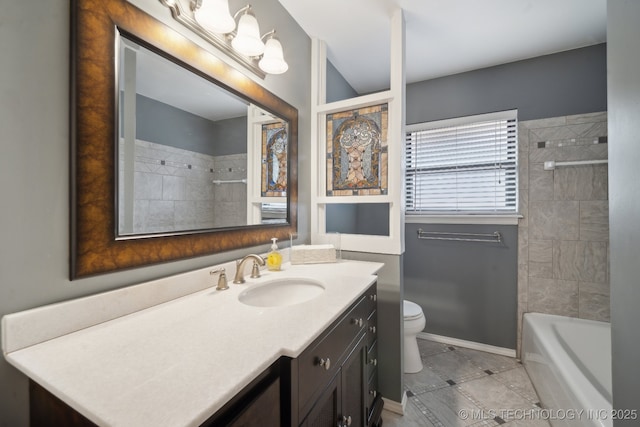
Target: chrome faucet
x: 255, y: 271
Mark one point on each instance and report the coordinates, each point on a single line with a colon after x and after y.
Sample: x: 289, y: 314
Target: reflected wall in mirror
x: 183, y: 150
x: 137, y: 197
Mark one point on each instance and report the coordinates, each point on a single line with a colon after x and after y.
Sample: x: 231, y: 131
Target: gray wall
x: 566, y: 83
x: 167, y: 125
x: 561, y: 84
x: 467, y: 290
x: 623, y: 58
x: 358, y: 218
x: 390, y: 322
x: 337, y: 87
x: 34, y: 164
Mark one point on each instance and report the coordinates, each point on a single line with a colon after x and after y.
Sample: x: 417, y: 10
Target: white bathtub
x: 569, y: 362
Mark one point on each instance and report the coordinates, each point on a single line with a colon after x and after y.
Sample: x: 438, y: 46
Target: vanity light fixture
x: 212, y: 21
x: 213, y: 15
x: 247, y: 40
x: 272, y: 61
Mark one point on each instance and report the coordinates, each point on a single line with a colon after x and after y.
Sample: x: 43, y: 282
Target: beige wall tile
x: 540, y: 183
x: 553, y: 133
x: 594, y: 212
x: 586, y: 130
x: 540, y: 251
x: 540, y: 269
x: 523, y: 283
x: 594, y: 232
x: 523, y: 139
x: 579, y: 260
x: 523, y: 171
x: 594, y: 306
x: 565, y: 231
x: 598, y: 288
x: 553, y: 296
x: 549, y: 220
x: 523, y: 245
x: 587, y: 118
x: 586, y: 182
x: 544, y: 123
x: 523, y: 207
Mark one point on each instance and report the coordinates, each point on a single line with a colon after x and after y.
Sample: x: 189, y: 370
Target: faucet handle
x: 222, y: 279
x: 255, y: 270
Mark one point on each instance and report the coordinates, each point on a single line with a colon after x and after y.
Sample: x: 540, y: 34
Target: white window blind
x: 462, y: 166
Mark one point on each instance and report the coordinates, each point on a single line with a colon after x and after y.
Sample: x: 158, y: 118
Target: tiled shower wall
x: 563, y: 237
x: 174, y: 189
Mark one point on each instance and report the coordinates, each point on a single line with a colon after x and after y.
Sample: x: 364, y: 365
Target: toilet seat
x: 411, y: 310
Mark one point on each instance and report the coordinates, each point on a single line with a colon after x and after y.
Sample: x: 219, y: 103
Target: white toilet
x: 414, y: 322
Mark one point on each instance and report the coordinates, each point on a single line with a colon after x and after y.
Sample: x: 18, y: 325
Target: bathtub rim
x: 568, y: 377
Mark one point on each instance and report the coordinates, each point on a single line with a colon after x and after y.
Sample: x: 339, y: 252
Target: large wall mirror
x: 174, y: 153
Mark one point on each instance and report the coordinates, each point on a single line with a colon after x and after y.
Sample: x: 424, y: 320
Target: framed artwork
x: 274, y: 160
x: 357, y: 151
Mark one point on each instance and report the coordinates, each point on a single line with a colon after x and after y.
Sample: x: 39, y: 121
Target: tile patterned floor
x: 464, y: 387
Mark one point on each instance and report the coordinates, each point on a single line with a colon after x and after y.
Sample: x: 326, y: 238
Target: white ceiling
x: 445, y: 37
x: 158, y: 78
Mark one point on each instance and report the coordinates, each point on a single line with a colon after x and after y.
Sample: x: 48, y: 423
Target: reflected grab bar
x: 494, y: 237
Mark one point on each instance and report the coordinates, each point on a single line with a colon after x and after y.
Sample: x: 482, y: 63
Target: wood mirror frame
x: 94, y: 248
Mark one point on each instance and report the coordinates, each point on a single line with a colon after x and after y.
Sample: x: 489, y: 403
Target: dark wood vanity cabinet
x: 336, y: 377
x: 263, y: 403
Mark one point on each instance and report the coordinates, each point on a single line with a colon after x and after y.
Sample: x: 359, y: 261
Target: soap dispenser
x: 274, y: 258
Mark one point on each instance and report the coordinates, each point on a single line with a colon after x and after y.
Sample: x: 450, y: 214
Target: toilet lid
x: 411, y: 310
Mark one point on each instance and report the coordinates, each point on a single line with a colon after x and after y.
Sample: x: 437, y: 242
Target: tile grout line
x: 486, y: 368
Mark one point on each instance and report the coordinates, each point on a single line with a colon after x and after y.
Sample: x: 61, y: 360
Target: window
x: 462, y: 166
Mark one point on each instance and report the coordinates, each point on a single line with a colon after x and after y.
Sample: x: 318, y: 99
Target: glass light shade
x: 214, y: 16
x: 273, y: 60
x: 247, y: 41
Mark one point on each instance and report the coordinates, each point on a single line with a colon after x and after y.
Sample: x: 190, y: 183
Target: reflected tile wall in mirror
x: 177, y: 189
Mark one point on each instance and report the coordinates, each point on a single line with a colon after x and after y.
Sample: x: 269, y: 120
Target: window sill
x: 463, y: 219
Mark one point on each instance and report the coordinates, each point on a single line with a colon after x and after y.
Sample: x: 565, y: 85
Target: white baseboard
x: 395, y: 407
x: 468, y: 344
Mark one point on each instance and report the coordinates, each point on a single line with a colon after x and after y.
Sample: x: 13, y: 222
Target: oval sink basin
x: 281, y: 292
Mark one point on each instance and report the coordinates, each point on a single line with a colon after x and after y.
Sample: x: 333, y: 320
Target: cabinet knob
x: 373, y: 393
x: 358, y: 322
x: 373, y: 297
x: 325, y: 363
x: 346, y: 421
x: 373, y: 362
x: 372, y: 329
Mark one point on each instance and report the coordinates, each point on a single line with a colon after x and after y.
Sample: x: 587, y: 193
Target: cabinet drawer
x: 372, y: 359
x: 372, y: 297
x: 372, y: 328
x: 320, y: 362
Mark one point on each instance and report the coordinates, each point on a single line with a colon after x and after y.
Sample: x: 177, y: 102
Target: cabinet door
x: 263, y: 411
x: 354, y: 384
x: 325, y: 411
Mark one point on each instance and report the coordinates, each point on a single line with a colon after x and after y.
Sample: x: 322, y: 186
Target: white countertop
x: 178, y: 362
